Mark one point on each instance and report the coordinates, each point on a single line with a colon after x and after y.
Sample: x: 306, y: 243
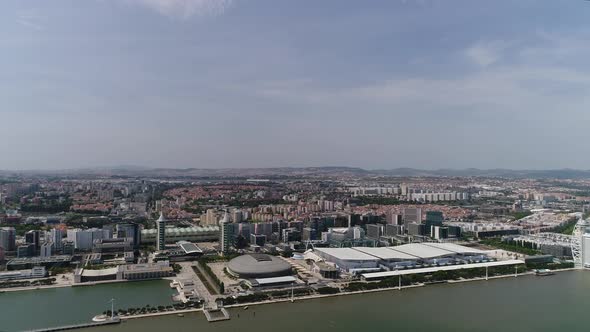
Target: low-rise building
x: 34, y: 273
x: 156, y: 270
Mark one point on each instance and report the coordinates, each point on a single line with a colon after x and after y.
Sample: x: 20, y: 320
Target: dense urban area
x: 234, y: 237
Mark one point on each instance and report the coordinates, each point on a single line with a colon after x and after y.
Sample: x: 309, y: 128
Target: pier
x: 79, y: 326
x: 216, y: 315
x: 216, y: 312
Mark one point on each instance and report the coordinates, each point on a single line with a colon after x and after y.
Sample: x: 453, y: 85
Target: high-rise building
x: 130, y: 231
x: 25, y: 250
x: 161, y: 225
x: 237, y: 216
x: 226, y: 234
x: 393, y: 230
x: 46, y: 249
x: 258, y: 240
x: 8, y: 238
x: 393, y: 218
x: 412, y: 215
x: 83, y: 239
x: 56, y: 236
x: 404, y: 189
x: 374, y: 231
x: 416, y: 229
x: 440, y: 232
x: 211, y: 217
x: 309, y: 234
x: 433, y: 218
x: 33, y: 237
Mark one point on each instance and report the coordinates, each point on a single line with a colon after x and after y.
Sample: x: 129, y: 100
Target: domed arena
x: 254, y: 266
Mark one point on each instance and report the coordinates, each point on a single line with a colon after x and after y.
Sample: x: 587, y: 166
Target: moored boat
x: 544, y: 272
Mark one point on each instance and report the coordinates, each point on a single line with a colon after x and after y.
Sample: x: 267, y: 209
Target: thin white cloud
x: 30, y: 20
x: 185, y: 9
x: 527, y: 84
x: 485, y: 54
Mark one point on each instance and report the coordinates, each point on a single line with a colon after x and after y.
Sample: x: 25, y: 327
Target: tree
x: 241, y: 242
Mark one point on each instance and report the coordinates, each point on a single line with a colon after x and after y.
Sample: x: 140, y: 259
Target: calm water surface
x: 63, y: 306
x: 555, y: 303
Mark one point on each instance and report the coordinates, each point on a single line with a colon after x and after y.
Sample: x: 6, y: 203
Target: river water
x: 527, y: 303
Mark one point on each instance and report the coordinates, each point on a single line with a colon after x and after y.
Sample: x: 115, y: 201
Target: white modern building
x: 83, y: 238
x: 161, y: 233
x: 412, y: 255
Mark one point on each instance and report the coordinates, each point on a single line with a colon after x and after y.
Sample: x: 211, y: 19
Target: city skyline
x: 250, y: 84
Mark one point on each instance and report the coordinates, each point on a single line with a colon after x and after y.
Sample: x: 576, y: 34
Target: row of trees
x: 27, y: 283
x: 147, y: 309
x: 210, y: 275
x: 526, y: 248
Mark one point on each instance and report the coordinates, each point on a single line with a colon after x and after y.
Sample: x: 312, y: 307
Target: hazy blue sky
x: 261, y: 83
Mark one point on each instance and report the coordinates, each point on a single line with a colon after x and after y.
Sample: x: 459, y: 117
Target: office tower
x: 25, y: 250
x: 161, y: 227
x: 393, y: 230
x: 404, y: 189
x: 56, y: 236
x: 412, y: 215
x: 354, y: 219
x: 309, y: 234
x: 393, y: 218
x: 374, y: 231
x: 433, y: 218
x: 440, y: 232
x: 211, y: 217
x: 416, y: 229
x: 34, y: 238
x: 130, y: 231
x: 46, y: 249
x: 258, y: 240
x: 237, y: 216
x: 8, y: 238
x: 83, y: 239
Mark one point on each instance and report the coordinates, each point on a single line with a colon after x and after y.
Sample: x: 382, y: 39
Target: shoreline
x: 33, y: 288
x: 321, y: 296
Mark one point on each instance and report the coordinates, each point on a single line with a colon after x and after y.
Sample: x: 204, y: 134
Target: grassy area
x: 522, y: 214
x: 497, y: 243
x: 567, y: 228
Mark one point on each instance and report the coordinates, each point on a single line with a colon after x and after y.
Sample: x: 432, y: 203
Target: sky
x: 265, y: 83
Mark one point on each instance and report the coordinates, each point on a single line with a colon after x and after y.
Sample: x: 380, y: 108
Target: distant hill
x: 329, y: 171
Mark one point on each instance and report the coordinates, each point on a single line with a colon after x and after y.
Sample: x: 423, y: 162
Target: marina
x: 76, y: 305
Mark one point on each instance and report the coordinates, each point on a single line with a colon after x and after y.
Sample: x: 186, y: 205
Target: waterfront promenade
x: 503, y: 304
